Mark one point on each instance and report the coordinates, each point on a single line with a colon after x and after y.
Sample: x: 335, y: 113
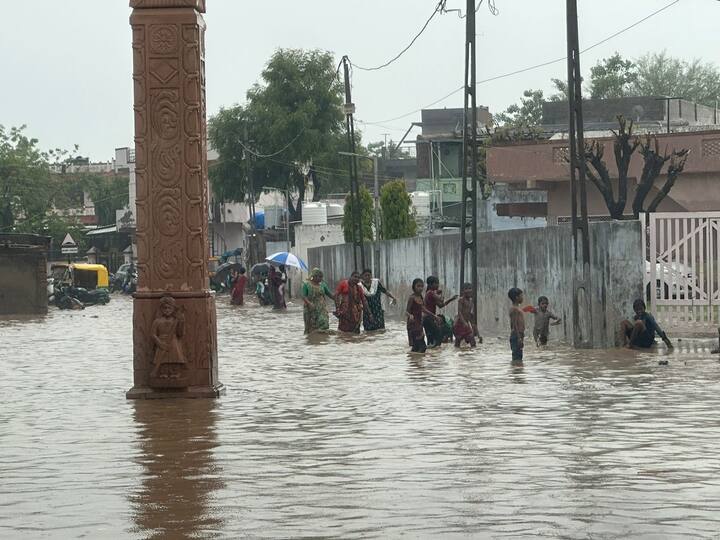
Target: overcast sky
x: 67, y: 64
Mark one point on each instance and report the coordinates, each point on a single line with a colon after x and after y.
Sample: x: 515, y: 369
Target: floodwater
x: 353, y: 438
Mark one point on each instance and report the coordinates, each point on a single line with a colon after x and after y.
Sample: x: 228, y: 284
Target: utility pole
x: 385, y: 152
x: 468, y: 223
x: 253, y: 256
x: 581, y: 231
x: 376, y: 184
x: 357, y: 232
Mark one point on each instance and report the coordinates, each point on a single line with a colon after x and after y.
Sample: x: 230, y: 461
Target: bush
x: 397, y: 218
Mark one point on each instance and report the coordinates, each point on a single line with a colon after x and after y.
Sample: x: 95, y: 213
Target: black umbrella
x: 223, y: 271
x: 260, y: 269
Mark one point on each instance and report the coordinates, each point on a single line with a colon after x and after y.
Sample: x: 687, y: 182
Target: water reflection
x: 176, y: 440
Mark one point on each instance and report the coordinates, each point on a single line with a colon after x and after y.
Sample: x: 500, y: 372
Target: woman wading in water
x: 315, y: 312
x: 351, y: 303
x: 373, y: 290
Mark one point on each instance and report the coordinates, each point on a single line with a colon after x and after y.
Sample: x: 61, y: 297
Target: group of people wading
x: 357, y: 304
x: 357, y: 301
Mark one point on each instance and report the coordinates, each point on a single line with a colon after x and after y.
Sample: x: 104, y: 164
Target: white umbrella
x: 288, y: 259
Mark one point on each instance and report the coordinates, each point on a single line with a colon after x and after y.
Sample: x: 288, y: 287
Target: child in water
x: 465, y: 328
x: 517, y: 324
x: 414, y: 313
x: 543, y: 316
x: 641, y: 331
x: 433, y: 323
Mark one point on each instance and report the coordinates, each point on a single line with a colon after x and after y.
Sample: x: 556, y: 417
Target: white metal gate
x: 682, y: 269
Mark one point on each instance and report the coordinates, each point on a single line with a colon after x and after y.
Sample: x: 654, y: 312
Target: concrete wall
x: 23, y: 284
x: 310, y: 236
x: 642, y: 108
x: 537, y: 260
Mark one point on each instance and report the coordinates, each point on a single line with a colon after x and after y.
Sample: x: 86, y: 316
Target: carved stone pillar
x: 174, y: 326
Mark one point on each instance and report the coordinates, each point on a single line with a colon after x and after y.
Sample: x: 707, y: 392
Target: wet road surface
x: 353, y: 438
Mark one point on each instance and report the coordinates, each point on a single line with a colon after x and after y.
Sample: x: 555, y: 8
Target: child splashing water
x: 543, y: 316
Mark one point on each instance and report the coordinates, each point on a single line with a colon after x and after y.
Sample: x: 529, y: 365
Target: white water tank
x: 421, y: 203
x: 335, y: 210
x: 274, y: 216
x: 314, y: 214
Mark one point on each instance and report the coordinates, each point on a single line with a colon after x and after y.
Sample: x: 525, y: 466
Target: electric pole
x: 468, y: 224
x: 252, y: 257
x: 582, y: 333
x: 357, y: 230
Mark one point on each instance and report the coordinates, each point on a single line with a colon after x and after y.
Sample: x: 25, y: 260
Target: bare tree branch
x: 654, y: 162
x: 677, y: 164
x: 624, y: 150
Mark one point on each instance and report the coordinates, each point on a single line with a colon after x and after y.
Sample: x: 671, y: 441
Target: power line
x: 274, y: 153
x: 438, y: 9
x: 536, y: 66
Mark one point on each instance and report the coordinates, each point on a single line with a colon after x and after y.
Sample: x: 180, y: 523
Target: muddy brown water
x: 353, y: 438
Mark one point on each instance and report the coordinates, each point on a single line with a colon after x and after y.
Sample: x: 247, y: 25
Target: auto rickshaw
x: 87, y: 283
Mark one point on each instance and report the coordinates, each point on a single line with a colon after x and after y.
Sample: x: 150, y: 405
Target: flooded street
x: 352, y: 438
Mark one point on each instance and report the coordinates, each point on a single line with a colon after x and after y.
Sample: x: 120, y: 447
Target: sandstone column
x: 174, y: 327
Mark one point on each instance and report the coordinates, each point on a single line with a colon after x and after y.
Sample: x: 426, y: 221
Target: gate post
x: 174, y: 326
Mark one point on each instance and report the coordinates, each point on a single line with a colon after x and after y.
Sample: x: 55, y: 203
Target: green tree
x: 295, y: 128
x: 25, y: 186
x: 108, y: 193
x: 661, y: 75
x: 378, y: 149
x: 612, y: 78
x: 523, y: 115
x: 366, y: 216
x: 395, y: 204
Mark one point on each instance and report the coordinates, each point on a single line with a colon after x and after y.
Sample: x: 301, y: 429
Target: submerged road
x: 351, y: 437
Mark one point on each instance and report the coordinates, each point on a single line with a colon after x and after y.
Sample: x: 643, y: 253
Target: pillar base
x: 191, y: 392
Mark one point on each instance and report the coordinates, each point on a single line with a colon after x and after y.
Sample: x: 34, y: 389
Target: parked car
x: 672, y: 281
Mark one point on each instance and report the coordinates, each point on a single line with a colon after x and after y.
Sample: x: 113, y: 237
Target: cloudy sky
x: 67, y: 64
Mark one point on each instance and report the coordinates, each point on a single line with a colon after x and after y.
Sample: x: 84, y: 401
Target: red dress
x: 349, y: 307
x: 238, y: 291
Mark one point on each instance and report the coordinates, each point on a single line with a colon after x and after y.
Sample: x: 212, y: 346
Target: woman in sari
x: 373, y: 290
x: 315, y: 312
x: 351, y: 303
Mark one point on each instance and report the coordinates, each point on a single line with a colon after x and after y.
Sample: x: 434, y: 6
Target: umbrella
x: 223, y: 271
x: 260, y: 269
x: 288, y: 259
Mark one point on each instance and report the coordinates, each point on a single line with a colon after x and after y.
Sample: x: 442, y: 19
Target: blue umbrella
x: 288, y: 259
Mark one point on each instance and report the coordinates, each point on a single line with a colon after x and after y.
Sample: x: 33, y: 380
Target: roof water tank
x: 335, y: 210
x: 421, y: 203
x: 314, y: 214
x: 259, y: 219
x: 274, y: 216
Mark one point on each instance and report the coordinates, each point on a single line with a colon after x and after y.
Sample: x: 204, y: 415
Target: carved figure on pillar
x: 167, y: 330
x: 171, y: 358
